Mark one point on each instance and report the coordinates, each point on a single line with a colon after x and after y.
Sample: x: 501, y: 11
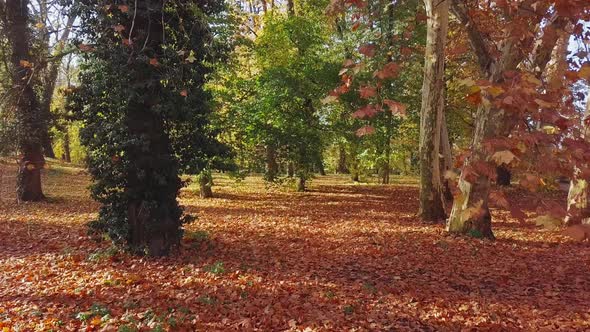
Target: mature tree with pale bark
x: 432, y: 197
x: 506, y: 58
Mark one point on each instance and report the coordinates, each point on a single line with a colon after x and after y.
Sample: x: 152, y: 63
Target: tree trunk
x: 264, y: 6
x: 272, y: 167
x: 290, y: 8
x: 49, y: 83
x: 320, y: 165
x: 301, y: 183
x: 432, y: 208
x: 30, y: 121
x: 504, y: 176
x: 447, y: 160
x: 155, y: 225
x: 290, y: 169
x: 205, y: 184
x: 578, y: 206
x: 67, y: 151
x: 342, y: 169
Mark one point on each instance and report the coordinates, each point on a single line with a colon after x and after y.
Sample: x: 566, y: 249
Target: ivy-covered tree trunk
x: 30, y: 121
x: 432, y: 207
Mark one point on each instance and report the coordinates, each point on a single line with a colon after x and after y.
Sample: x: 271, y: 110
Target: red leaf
x: 395, y: 107
x: 366, y: 111
x: 368, y: 92
x: 368, y: 50
x: 366, y: 130
x: 390, y: 70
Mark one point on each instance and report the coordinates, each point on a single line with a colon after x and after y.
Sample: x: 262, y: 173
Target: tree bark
x: 290, y: 8
x: 30, y: 121
x: 301, y: 183
x: 578, y: 204
x: 264, y: 6
x: 67, y: 151
x: 205, y: 184
x: 342, y: 169
x: 272, y: 167
x: 432, y: 208
x: 447, y: 160
x: 155, y: 226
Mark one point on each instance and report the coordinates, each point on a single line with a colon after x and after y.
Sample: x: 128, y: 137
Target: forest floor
x: 341, y: 257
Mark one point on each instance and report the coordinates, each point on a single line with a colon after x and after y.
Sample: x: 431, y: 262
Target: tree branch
x: 476, y: 38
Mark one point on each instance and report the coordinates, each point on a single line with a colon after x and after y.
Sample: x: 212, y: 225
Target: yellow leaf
x: 329, y: 100
x: 96, y: 321
x: 25, y: 64
x: 503, y: 157
x: 495, y: 91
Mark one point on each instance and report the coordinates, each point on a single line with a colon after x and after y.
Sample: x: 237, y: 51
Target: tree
x: 578, y: 207
x: 29, y: 120
x: 471, y: 213
x: 51, y: 23
x: 145, y: 113
x: 432, y: 201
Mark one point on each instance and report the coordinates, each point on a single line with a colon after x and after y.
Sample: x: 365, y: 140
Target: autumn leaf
x: 395, y: 107
x: 499, y: 199
x: 578, y: 232
x: 329, y: 99
x: 85, y: 48
x: 118, y: 28
x: 123, y: 8
x: 366, y: 130
x: 584, y: 72
x: 154, y: 62
x: 503, y: 157
x: 368, y: 50
x: 184, y: 93
x: 367, y: 111
x: 25, y: 64
x: 367, y: 92
x: 390, y: 70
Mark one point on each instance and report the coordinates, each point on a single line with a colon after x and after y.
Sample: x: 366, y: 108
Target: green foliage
x: 216, y: 268
x: 145, y: 114
x: 269, y: 96
x: 97, y: 309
